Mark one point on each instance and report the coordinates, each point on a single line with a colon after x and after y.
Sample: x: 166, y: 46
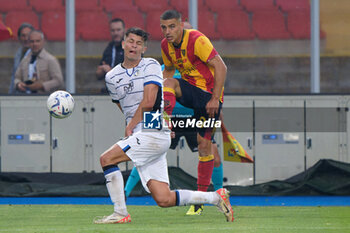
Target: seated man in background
x: 23, y: 37
x: 114, y: 53
x: 39, y: 72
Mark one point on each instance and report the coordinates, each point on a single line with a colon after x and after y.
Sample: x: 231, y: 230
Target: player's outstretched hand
x: 212, y: 107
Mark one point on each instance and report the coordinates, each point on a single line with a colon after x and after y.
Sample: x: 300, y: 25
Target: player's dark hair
x: 138, y: 32
x: 24, y: 25
x: 171, y: 14
x: 116, y: 20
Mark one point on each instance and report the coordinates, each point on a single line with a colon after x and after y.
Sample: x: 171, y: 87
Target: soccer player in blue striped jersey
x: 136, y: 87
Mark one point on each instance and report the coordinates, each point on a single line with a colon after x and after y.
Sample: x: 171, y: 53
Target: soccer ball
x: 60, y: 104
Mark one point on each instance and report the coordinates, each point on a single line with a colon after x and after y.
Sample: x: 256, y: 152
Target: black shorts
x: 190, y: 136
x: 196, y: 99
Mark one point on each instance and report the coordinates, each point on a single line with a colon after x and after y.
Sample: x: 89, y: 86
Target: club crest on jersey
x: 129, y: 87
x: 183, y: 51
x: 152, y: 120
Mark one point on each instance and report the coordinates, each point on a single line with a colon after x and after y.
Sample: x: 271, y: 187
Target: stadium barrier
x: 326, y: 177
x: 284, y: 134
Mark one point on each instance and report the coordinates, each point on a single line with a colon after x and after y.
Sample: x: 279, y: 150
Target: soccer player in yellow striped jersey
x: 203, y: 74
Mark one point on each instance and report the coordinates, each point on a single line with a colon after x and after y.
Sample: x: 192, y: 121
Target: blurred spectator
x: 114, y: 53
x: 187, y: 25
x: 23, y: 37
x: 39, y: 71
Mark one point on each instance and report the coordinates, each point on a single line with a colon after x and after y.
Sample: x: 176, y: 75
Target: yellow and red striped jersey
x: 191, y: 58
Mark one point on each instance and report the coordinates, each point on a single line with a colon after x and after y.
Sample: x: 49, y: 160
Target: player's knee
x: 164, y: 199
x: 163, y: 202
x: 169, y: 82
x: 104, y: 159
x: 204, y: 147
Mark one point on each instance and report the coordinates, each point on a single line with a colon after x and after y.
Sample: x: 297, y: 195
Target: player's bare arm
x: 168, y: 72
x: 220, y: 71
x: 147, y: 103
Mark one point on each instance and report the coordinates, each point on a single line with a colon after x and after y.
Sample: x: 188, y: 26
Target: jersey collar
x: 182, y: 38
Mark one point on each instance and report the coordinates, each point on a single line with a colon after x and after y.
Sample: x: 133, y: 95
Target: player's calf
x: 171, y: 83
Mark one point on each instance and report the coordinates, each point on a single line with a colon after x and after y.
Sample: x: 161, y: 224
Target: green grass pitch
x: 78, y: 218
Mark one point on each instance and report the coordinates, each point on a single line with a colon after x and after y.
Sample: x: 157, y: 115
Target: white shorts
x: 148, y: 150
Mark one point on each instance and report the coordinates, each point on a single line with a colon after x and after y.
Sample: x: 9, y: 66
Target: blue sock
x: 217, y: 177
x: 132, y: 181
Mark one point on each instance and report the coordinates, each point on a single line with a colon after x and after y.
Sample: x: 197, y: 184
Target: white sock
x: 187, y: 197
x: 115, y: 187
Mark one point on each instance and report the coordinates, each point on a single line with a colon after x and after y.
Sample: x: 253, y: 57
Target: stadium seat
x: 152, y: 5
x: 14, y: 19
x: 206, y: 24
x: 254, y: 5
x: 287, y: 5
x: 223, y: 5
x: 153, y: 25
x: 44, y: 5
x: 234, y: 24
x: 112, y: 5
x: 132, y: 18
x: 269, y: 25
x: 182, y: 6
x: 53, y: 24
x: 298, y: 24
x: 13, y: 5
x: 92, y: 25
x: 85, y: 5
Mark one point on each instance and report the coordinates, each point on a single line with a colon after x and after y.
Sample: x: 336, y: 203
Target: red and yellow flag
x: 233, y: 150
x: 5, y: 32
